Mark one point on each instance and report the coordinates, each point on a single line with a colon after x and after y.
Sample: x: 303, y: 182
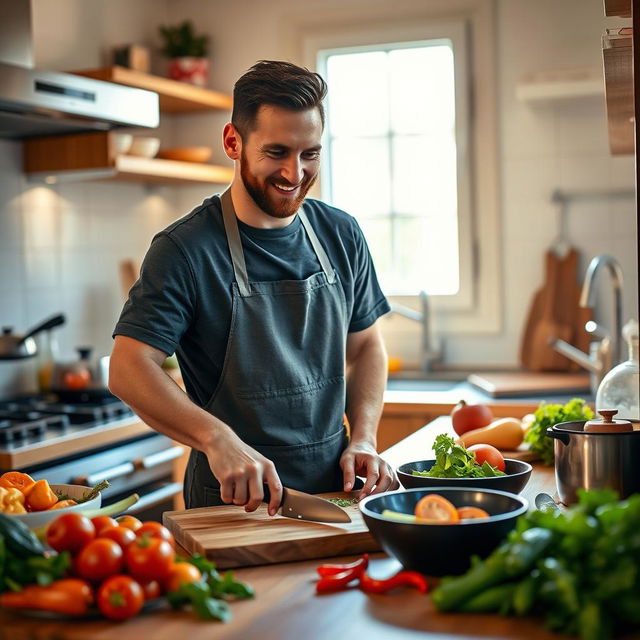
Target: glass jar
x: 620, y: 388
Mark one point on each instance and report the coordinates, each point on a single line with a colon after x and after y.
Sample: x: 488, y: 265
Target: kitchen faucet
x: 607, y: 352
x: 428, y: 355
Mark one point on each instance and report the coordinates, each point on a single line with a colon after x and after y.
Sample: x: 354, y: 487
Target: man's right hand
x: 241, y: 472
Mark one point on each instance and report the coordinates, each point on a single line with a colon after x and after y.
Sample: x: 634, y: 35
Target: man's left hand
x: 361, y: 459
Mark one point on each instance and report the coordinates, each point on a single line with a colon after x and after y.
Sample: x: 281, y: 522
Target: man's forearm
x: 366, y: 381
x: 162, y: 404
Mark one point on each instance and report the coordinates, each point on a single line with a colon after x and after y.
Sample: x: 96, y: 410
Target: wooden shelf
x: 561, y: 84
x: 617, y: 8
x: 618, y: 73
x: 92, y: 156
x: 175, y: 97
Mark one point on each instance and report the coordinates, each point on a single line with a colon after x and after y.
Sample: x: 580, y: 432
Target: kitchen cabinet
x: 93, y: 154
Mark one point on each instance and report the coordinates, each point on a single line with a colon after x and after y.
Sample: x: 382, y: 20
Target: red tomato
x: 154, y: 529
x: 466, y: 417
x: 123, y: 536
x: 100, y: 559
x: 130, y: 522
x: 149, y: 558
x: 181, y: 573
x: 151, y: 590
x: 485, y: 452
x: 120, y: 597
x: 100, y: 522
x: 70, y: 532
x: 75, y: 380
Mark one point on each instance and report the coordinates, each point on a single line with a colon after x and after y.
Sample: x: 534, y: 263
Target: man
x: 271, y: 307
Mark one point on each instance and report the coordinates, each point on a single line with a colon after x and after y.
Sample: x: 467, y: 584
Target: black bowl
x: 442, y: 549
x: 518, y: 473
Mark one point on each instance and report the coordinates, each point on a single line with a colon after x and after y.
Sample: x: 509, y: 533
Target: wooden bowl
x: 186, y: 154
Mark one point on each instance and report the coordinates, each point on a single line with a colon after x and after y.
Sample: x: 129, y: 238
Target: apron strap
x: 235, y: 244
x: 318, y: 248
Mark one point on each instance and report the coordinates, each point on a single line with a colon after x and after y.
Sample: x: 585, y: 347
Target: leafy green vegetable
x: 579, y: 568
x: 547, y: 415
x: 208, y: 596
x: 342, y: 502
x: 454, y: 461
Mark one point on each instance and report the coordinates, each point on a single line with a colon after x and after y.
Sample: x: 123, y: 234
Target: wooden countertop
x: 286, y: 607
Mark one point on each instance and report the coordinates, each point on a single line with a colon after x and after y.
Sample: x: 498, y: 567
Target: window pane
x: 424, y: 175
x: 377, y: 231
x: 360, y: 177
x: 422, y: 89
x: 358, y: 94
x: 427, y: 252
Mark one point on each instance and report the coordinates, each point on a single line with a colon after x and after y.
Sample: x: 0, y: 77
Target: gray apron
x: 282, y: 387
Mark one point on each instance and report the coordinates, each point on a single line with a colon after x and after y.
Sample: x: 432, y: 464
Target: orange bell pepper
x: 41, y: 496
x: 17, y: 480
x: 61, y: 504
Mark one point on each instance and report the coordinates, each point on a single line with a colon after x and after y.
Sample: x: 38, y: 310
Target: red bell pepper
x: 402, y: 578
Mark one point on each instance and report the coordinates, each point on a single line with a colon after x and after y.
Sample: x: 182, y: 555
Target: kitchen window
x: 396, y: 158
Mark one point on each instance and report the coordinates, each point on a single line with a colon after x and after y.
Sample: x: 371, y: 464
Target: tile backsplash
x: 60, y: 247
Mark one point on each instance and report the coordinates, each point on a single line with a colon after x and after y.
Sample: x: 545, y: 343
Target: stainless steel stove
x: 87, y: 442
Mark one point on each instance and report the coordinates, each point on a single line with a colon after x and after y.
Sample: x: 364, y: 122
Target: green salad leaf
x: 454, y: 461
x: 548, y: 415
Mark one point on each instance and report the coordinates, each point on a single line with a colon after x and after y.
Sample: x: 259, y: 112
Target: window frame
x: 455, y: 34
x: 306, y: 33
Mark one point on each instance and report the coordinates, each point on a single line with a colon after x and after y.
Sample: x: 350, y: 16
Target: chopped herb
x: 342, y: 502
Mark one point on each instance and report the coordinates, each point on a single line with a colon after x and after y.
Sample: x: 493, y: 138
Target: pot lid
x: 608, y: 424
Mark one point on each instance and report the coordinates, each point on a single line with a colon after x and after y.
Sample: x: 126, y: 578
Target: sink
x: 417, y: 384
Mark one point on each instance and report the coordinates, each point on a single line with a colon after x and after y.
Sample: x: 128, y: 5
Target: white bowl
x: 144, y: 147
x: 36, y: 519
x: 122, y: 142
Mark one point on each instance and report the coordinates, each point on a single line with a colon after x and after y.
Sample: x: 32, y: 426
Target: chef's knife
x: 302, y: 506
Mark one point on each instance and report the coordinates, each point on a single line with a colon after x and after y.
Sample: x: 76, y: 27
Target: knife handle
x: 267, y: 495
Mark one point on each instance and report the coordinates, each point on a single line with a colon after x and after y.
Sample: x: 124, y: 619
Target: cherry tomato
x: 100, y: 522
x: 181, y: 573
x: 100, y: 559
x: 470, y: 513
x: 487, y: 453
x: 156, y: 530
x: 149, y: 558
x: 130, y: 522
x: 70, y: 532
x: 123, y: 536
x: 436, y: 509
x: 151, y: 590
x: 466, y: 417
x: 120, y: 597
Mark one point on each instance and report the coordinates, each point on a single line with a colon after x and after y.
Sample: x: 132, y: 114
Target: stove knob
x: 7, y: 331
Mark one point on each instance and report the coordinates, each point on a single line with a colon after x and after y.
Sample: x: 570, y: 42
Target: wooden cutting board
x: 230, y: 537
x: 521, y: 383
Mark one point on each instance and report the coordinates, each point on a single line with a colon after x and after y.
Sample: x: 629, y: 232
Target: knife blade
x: 303, y: 506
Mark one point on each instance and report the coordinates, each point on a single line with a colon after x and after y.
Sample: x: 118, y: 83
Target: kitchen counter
x: 286, y: 607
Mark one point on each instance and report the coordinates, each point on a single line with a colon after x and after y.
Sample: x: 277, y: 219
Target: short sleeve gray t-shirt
x: 182, y: 301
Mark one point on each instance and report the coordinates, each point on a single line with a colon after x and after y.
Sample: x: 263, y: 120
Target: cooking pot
x: 15, y: 346
x: 82, y: 379
x: 592, y: 460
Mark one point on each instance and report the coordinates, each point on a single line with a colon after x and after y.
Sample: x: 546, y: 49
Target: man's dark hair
x: 276, y: 83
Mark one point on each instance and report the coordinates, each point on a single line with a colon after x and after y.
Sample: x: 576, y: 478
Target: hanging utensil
x: 15, y: 346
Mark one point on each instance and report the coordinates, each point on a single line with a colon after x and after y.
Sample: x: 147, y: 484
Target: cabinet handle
x: 155, y: 497
x: 106, y: 474
x: 155, y: 459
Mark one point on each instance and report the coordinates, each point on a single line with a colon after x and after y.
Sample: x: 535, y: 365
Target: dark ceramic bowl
x: 442, y: 549
x: 518, y: 473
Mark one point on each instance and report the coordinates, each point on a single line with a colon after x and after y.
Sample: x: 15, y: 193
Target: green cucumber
x: 18, y: 539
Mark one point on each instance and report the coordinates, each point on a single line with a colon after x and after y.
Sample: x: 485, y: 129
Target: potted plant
x: 187, y: 53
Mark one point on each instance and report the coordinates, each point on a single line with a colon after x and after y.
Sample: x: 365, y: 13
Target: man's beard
x: 261, y: 195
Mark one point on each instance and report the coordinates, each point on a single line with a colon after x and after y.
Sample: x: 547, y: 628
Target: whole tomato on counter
x: 70, y: 532
x: 100, y: 559
x: 120, y: 597
x: 130, y: 522
x: 154, y: 529
x: 467, y: 417
x: 149, y: 559
x: 181, y: 573
x: 123, y: 536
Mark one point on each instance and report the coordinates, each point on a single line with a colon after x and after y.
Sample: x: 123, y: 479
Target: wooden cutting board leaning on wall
x: 230, y: 537
x: 555, y: 312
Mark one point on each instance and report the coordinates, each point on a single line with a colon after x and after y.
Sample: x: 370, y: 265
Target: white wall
x: 59, y: 247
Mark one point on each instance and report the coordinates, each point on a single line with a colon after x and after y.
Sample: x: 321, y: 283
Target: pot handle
x: 558, y: 435
x: 50, y: 323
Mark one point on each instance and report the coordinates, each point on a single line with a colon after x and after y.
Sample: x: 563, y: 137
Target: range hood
x: 34, y: 102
